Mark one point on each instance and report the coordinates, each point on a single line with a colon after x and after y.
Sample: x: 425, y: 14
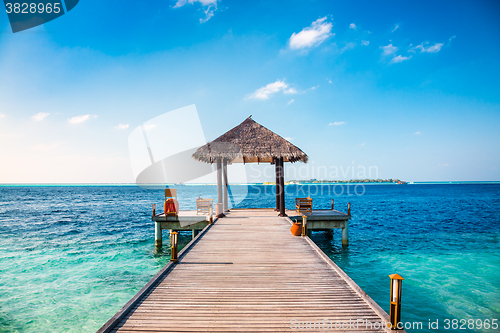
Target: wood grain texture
x: 249, y: 274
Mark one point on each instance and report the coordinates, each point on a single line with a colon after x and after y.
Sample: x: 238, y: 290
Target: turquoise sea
x: 71, y: 256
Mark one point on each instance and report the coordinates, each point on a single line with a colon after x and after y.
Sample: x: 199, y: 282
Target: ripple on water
x: 70, y: 257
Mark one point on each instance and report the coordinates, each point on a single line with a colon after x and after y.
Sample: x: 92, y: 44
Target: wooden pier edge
x: 109, y: 325
x: 364, y: 296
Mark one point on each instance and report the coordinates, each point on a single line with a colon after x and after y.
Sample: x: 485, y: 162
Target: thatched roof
x: 250, y: 142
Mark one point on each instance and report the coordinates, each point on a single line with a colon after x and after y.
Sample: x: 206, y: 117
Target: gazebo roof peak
x: 250, y: 142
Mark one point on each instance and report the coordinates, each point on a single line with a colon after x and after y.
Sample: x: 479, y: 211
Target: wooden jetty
x: 247, y: 273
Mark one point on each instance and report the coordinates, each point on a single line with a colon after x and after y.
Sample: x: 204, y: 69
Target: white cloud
x: 417, y: 133
x: 364, y: 143
x: 352, y: 26
x: 122, y: 126
x: 81, y: 119
x: 348, y: 46
x: 399, y: 59
x: 209, y: 7
x: 181, y: 3
x: 365, y: 42
x: 272, y: 88
x: 434, y: 48
x: 209, y: 12
x: 291, y: 101
x: 2, y: 115
x: 337, y: 123
x: 330, y: 81
x: 430, y: 49
x: 311, y: 36
x: 315, y: 87
x: 388, y: 49
x: 148, y: 127
x: 395, y: 28
x: 39, y: 116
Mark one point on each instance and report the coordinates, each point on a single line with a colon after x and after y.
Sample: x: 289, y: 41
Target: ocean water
x: 72, y: 256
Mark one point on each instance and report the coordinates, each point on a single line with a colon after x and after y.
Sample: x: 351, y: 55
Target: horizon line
x: 262, y: 183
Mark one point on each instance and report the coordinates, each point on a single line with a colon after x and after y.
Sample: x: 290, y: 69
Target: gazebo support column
x: 282, y: 187
x: 219, y: 189
x: 276, y: 168
x: 224, y: 181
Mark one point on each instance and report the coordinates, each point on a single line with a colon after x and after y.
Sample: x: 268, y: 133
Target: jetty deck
x: 247, y: 273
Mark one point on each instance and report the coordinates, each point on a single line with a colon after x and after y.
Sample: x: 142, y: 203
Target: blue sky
x: 410, y: 88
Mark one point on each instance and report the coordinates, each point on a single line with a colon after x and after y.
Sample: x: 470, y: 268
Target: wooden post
x: 349, y: 208
x: 304, y: 225
x: 395, y: 304
x: 158, y: 238
x: 332, y: 204
x: 194, y: 233
x: 225, y: 185
x: 154, y: 210
x: 345, y: 233
x: 276, y: 168
x: 282, y: 187
x: 173, y: 245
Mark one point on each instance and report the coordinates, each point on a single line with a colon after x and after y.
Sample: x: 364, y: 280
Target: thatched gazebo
x: 250, y: 142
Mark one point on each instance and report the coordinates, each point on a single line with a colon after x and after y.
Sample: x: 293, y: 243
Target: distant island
x: 316, y: 181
